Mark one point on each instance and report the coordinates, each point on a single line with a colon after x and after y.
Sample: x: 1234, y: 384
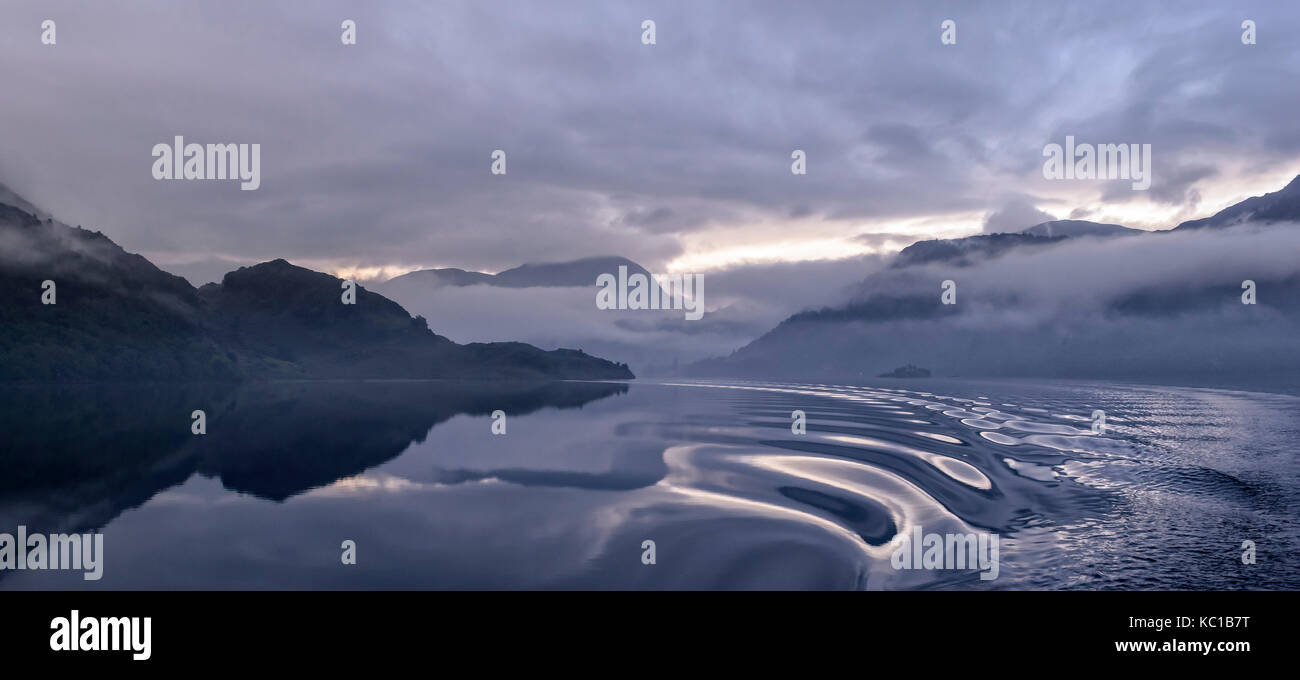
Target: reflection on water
x: 711, y: 472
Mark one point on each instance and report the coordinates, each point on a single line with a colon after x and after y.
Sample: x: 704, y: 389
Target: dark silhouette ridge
x: 118, y: 317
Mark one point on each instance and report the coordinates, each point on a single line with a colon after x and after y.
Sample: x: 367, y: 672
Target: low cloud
x: 1162, y: 306
x: 742, y: 302
x: 1015, y: 215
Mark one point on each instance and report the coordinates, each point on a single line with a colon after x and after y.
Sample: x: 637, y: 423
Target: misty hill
x: 118, y: 317
x: 116, y: 314
x: 581, y: 272
x: 1078, y: 228
x: 575, y: 273
x: 449, y: 276
x: 963, y: 252
x: 1159, y: 306
x: 10, y: 198
x: 1282, y: 205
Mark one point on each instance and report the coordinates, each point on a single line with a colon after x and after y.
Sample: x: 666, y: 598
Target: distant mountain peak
x: 1282, y: 205
x: 963, y: 252
x: 279, y: 264
x: 278, y: 270
x: 571, y: 273
x: 1077, y: 228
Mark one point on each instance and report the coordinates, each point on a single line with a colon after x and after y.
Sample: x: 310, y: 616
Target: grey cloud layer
x: 379, y: 153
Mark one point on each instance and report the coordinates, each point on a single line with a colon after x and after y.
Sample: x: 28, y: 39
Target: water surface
x: 709, y: 471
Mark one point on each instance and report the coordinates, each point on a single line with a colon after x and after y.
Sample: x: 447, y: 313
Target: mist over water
x: 708, y: 470
x: 1161, y: 308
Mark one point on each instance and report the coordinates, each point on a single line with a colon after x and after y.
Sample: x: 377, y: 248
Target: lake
x: 587, y: 475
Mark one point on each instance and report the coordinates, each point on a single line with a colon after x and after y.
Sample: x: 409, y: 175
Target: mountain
x: 575, y: 273
x: 295, y: 315
x: 963, y: 252
x: 116, y: 316
x: 441, y: 277
x: 1168, y: 307
x: 10, y: 198
x: 1078, y: 228
x: 115, y: 313
x: 1280, y: 206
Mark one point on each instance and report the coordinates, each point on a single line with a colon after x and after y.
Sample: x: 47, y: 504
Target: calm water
x: 709, y: 471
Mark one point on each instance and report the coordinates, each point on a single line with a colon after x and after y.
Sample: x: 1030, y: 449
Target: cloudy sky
x: 376, y: 157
